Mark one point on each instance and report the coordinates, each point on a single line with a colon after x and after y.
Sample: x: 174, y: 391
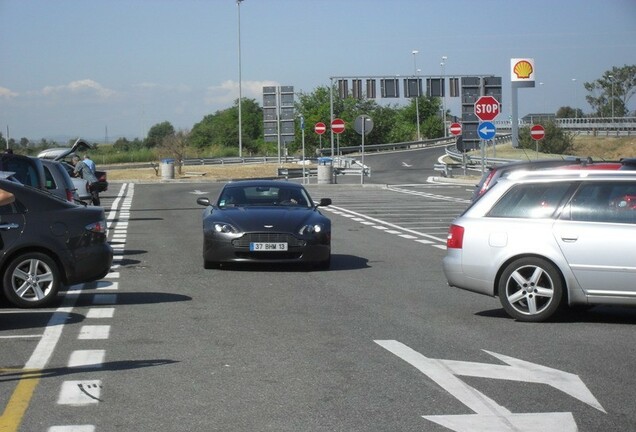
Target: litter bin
x: 167, y: 169
x: 325, y: 170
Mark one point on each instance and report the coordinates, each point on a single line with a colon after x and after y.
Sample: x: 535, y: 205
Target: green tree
x: 220, y: 130
x: 157, y: 133
x: 612, y: 91
x: 569, y: 112
x: 556, y: 140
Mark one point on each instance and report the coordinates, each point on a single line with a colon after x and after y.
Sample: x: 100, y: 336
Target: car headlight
x: 224, y: 228
x: 311, y: 229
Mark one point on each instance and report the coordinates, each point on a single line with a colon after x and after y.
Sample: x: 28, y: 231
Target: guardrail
x: 236, y: 160
x: 596, y: 126
x: 313, y: 172
x: 384, y: 147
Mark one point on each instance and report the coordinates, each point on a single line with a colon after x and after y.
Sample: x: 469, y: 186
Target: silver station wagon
x: 543, y: 240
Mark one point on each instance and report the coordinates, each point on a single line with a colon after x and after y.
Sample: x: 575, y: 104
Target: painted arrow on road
x: 491, y: 416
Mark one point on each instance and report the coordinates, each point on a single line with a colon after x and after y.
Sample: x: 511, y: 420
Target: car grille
x: 244, y: 241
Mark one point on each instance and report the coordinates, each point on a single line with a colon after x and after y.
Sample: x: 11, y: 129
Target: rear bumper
x: 458, y: 278
x: 89, y: 263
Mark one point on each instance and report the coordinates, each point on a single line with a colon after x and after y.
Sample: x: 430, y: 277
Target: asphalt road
x: 377, y: 343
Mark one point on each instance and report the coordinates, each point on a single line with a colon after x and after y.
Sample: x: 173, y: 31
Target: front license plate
x: 268, y: 247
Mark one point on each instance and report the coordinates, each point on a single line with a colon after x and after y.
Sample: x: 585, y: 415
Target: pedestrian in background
x: 82, y: 170
x: 89, y: 163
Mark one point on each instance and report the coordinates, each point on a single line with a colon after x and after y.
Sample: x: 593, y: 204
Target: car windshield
x: 264, y: 196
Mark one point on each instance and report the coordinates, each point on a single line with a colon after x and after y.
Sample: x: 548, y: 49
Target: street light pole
x: 240, y: 130
x: 576, y: 112
x: 417, y: 97
x: 443, y: 64
x: 612, y: 78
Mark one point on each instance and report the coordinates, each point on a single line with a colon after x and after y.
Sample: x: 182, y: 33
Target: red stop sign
x: 337, y: 126
x: 320, y: 128
x: 456, y: 129
x: 537, y: 132
x: 486, y: 108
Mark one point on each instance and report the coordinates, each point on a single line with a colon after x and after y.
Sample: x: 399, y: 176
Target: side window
x: 535, y: 201
x: 24, y: 170
x: 613, y: 202
x: 48, y: 178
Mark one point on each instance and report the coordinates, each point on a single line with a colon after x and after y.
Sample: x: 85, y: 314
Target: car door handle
x: 9, y: 226
x: 569, y: 238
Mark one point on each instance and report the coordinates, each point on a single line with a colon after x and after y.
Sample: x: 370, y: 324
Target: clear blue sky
x: 81, y: 67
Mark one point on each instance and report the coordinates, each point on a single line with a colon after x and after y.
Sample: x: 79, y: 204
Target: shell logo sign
x: 522, y: 69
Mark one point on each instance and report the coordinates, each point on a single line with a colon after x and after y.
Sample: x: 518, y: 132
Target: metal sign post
x: 363, y: 125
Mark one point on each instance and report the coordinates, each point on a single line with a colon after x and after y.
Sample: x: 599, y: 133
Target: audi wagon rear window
x: 534, y: 201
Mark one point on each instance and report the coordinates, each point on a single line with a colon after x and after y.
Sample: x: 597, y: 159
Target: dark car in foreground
x: 47, y: 242
x: 542, y: 240
x: 265, y: 221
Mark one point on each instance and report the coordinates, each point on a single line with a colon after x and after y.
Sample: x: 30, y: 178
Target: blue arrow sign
x: 486, y: 130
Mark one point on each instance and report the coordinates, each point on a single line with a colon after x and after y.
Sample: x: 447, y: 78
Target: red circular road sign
x: 337, y: 126
x: 537, y: 132
x: 486, y: 108
x: 456, y: 128
x: 320, y: 128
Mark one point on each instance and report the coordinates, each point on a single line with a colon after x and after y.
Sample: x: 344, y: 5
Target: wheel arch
x: 505, y: 264
x: 29, y: 249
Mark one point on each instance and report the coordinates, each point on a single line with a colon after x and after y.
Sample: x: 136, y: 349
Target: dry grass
x: 607, y: 148
x: 200, y: 172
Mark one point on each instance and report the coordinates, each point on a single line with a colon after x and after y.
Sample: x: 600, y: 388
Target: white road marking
x: 43, y: 351
x: 86, y: 359
x: 101, y: 299
x: 107, y: 285
x: 94, y: 332
x: 72, y: 428
x: 79, y: 393
x: 21, y: 336
x: 491, y: 416
x: 98, y: 313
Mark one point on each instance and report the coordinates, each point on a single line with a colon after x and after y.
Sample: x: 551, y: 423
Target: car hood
x: 266, y: 218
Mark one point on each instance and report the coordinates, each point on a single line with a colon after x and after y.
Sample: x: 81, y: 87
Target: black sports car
x: 266, y: 221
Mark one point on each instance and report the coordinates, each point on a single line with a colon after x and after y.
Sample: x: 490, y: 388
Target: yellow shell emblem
x: 523, y: 69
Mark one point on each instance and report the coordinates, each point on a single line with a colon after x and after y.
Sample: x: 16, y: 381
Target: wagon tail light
x: 455, y: 239
x: 97, y: 227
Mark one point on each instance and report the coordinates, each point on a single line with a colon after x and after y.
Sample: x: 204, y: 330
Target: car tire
x: 31, y: 280
x: 531, y: 289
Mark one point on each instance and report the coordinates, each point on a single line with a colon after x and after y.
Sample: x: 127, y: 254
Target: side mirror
x: 203, y: 201
x: 325, y: 202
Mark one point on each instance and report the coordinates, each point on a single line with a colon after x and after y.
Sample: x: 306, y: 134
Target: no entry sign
x: 337, y: 126
x: 456, y: 129
x: 486, y: 108
x: 537, y: 132
x: 320, y: 128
